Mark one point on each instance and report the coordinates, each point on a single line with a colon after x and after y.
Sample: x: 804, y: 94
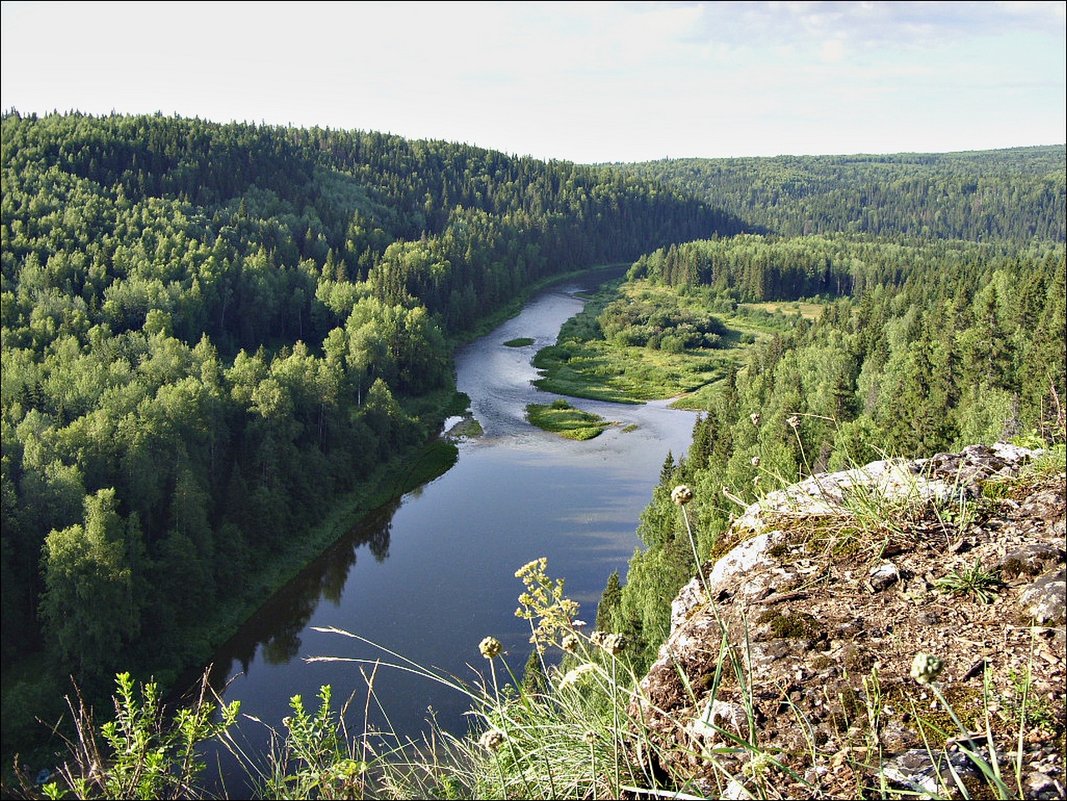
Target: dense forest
x: 942, y: 279
x: 210, y: 332
x: 921, y: 346
x: 1015, y: 193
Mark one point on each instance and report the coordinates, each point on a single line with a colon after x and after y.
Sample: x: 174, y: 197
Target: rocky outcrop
x: 789, y: 658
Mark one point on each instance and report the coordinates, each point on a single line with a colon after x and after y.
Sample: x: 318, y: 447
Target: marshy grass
x: 561, y: 418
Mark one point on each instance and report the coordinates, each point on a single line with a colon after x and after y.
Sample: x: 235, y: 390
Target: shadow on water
x: 276, y: 627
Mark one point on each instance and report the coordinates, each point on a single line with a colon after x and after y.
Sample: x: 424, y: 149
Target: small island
x: 563, y: 419
x: 519, y: 342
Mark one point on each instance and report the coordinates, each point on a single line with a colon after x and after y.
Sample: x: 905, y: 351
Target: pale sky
x: 587, y: 82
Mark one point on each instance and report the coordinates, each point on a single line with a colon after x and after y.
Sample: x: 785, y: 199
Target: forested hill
x: 1016, y: 193
x: 210, y: 332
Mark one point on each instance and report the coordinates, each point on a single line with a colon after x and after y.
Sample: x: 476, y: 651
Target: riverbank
x: 585, y: 364
x: 31, y: 691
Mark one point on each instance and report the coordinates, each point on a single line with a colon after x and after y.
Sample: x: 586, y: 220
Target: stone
x: 883, y: 576
x: 718, y: 716
x: 1045, y: 601
x: 806, y: 642
x: 930, y: 773
x: 1030, y: 559
x: 1042, y: 786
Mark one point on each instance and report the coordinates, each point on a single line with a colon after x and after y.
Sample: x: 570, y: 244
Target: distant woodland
x: 941, y: 286
x: 979, y: 195
x: 211, y: 332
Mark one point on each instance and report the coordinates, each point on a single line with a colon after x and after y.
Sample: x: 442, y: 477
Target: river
x: 432, y: 573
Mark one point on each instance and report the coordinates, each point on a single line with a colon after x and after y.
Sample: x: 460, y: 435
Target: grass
x: 574, y: 736
x: 561, y: 418
x: 809, y: 311
x: 583, y: 364
x: 974, y: 580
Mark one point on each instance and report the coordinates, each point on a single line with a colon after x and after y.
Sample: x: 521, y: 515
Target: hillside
x: 791, y: 666
x: 1015, y: 194
x: 221, y: 343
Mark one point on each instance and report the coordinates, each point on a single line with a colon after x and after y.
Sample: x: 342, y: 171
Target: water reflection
x: 515, y: 494
x: 278, y: 624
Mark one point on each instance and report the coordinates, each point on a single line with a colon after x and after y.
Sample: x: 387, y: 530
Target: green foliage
x: 143, y: 752
x: 640, y: 341
x: 313, y: 759
x: 929, y: 354
x: 89, y: 601
x: 974, y: 580
x: 563, y: 419
x: 230, y: 327
x: 519, y: 342
x: 1016, y: 193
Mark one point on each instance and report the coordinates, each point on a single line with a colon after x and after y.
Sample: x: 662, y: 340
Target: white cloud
x: 586, y: 81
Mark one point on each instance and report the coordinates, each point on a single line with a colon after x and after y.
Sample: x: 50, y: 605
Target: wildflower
x: 755, y: 417
x: 589, y: 737
x: 612, y: 643
x: 758, y: 765
x: 681, y: 495
x: 569, y: 643
x: 490, y: 647
x: 578, y: 624
x: 572, y: 676
x: 544, y: 601
x: 926, y: 668
x: 755, y: 481
x: 755, y: 461
x: 531, y: 566
x: 492, y: 740
x: 793, y: 421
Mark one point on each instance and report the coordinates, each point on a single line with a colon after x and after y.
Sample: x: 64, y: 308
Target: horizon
x: 591, y: 83
x: 78, y: 112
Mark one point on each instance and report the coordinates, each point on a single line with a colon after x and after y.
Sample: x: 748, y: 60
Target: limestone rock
x: 1044, y: 600
x: 820, y: 637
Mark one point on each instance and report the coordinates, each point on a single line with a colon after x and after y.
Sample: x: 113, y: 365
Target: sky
x: 586, y: 82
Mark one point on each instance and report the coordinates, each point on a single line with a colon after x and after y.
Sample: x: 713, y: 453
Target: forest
x: 211, y: 333
x: 1015, y: 193
x: 921, y: 346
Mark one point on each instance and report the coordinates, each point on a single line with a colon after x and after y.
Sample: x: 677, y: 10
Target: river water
x: 432, y: 573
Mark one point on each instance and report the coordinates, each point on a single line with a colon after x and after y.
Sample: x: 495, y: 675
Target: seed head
x: 755, y: 461
x: 755, y: 417
x: 612, y: 643
x: 793, y: 421
x: 492, y: 740
x: 926, y: 667
x: 490, y: 647
x: 569, y: 643
x: 681, y: 495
